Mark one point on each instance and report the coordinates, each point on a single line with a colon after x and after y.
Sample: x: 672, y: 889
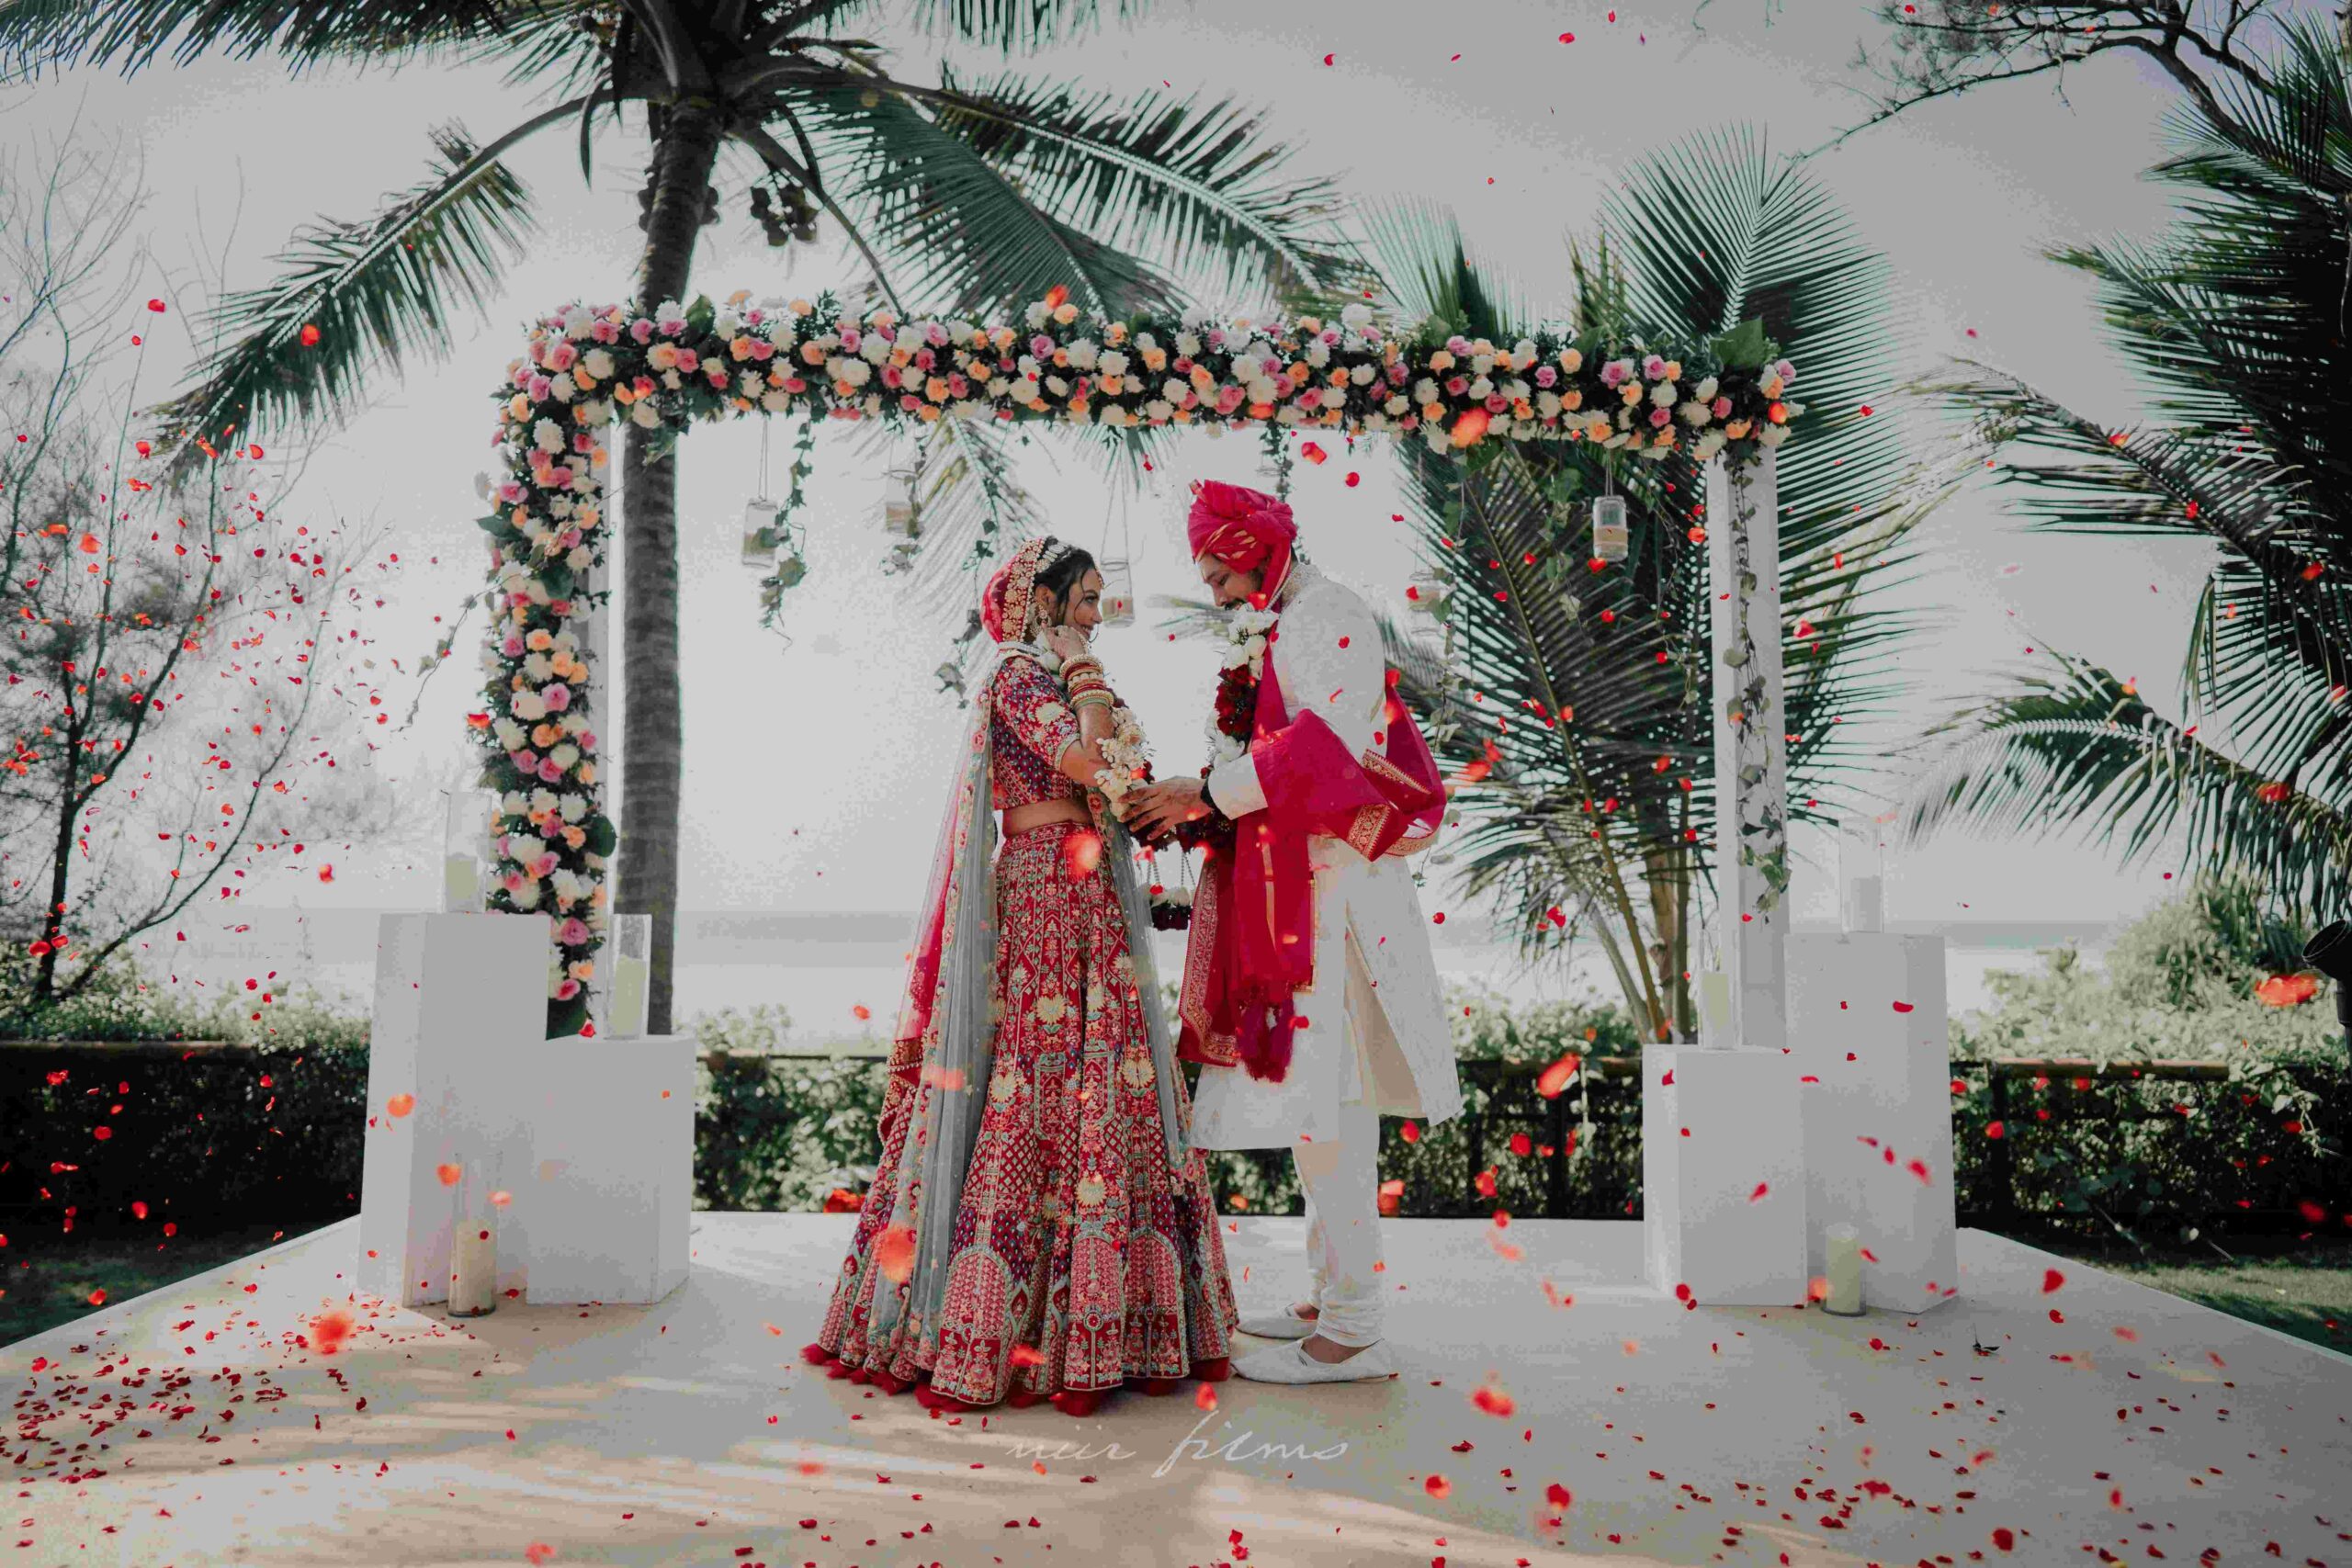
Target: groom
x: 1310, y: 995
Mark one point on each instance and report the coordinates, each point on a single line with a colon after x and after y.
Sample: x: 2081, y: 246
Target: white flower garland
x: 1125, y: 753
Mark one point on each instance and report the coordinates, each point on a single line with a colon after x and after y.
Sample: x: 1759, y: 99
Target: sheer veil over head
x: 942, y: 1050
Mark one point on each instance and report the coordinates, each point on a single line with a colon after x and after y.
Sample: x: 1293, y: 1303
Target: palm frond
x: 374, y: 288
x: 1015, y: 24
x: 1147, y: 174
x: 2078, y: 750
x: 966, y: 237
x: 38, y: 34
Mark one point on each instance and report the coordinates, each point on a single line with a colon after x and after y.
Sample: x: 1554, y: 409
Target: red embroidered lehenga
x: 1037, y: 1226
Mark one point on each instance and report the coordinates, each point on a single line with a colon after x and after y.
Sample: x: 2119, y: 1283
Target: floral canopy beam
x: 588, y: 367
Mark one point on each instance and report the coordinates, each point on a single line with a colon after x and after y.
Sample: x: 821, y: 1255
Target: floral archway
x: 587, y: 367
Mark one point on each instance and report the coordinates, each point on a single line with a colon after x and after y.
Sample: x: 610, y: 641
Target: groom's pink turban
x: 1246, y: 529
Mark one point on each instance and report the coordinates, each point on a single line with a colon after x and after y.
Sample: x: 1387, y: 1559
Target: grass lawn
x: 2299, y: 1288
x: 48, y: 1281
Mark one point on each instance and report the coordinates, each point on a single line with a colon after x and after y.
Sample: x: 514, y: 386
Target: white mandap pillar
x: 1724, y: 1174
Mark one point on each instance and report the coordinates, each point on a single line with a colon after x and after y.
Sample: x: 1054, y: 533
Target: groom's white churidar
x: 1371, y: 1036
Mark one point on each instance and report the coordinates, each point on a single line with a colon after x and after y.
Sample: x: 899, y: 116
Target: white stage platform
x: 191, y: 1427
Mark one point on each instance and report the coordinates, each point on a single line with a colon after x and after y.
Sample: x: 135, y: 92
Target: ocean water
x: 822, y: 967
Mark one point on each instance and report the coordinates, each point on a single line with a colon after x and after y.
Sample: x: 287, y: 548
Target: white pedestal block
x: 1867, y: 1019
x: 1703, y: 1223
x: 604, y: 1203
x: 453, y: 993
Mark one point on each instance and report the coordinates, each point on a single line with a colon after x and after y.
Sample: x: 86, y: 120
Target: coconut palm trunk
x: 652, y: 747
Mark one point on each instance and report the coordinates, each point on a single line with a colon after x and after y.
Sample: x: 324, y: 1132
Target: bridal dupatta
x: 943, y: 1050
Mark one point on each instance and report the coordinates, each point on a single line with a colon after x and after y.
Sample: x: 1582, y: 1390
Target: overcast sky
x: 815, y: 771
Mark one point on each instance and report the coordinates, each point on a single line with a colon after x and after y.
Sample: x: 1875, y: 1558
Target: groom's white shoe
x: 1290, y: 1363
x: 1282, y: 1323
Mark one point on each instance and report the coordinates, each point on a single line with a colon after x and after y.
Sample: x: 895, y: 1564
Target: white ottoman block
x: 604, y: 1204
x: 1704, y: 1223
x: 453, y: 993
x: 1867, y: 1021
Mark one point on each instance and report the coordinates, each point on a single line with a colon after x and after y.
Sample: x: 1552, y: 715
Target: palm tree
x: 959, y: 196
x: 2235, y: 322
x: 1572, y: 703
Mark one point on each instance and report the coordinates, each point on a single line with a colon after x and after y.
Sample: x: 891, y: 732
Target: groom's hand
x: 1159, y: 808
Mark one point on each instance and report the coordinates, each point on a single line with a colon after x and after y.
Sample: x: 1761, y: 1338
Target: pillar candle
x: 460, y: 885
x: 628, y: 997
x: 1845, y: 1259
x: 1715, y: 1008
x: 473, y: 1251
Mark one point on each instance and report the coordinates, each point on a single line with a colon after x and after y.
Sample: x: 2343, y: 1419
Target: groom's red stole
x: 1252, y: 943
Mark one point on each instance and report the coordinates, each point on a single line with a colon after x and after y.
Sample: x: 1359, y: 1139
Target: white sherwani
x: 1376, y: 1027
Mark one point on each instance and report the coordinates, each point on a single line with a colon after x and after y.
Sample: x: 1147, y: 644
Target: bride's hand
x: 1068, y: 642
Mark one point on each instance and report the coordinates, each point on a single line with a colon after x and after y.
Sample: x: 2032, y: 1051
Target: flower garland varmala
x: 587, y: 366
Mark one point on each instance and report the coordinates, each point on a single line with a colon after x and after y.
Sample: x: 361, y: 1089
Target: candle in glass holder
x: 1845, y: 1259
x: 465, y: 834
x: 1861, y: 877
x: 1715, y: 1008
x: 473, y: 1250
x: 632, y: 969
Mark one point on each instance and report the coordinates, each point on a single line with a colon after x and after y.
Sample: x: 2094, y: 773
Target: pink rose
x: 687, y: 360
x: 1654, y: 368
x: 513, y: 646
x: 1456, y: 385
x: 587, y: 738
x: 548, y: 771
x: 1496, y: 402
x: 562, y: 357
x: 849, y: 340
x: 605, y: 332
x: 641, y: 330
x: 511, y: 491
x: 573, y: 932
x: 1720, y: 407
x: 539, y: 389
x: 511, y: 880
x: 525, y: 762
x: 569, y: 989
x: 1041, y: 346
x: 1660, y: 417
x: 1546, y: 375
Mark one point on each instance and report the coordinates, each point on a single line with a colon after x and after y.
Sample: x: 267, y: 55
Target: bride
x: 1036, y: 1227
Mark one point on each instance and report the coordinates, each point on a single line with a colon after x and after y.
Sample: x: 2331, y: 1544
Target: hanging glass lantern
x: 1425, y: 591
x: 899, y: 517
x: 1611, y: 536
x: 760, y: 534
x: 1118, y: 591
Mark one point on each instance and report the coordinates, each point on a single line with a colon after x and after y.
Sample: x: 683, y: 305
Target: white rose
x: 1398, y: 405
x: 1319, y: 354
x: 872, y: 348
x: 1772, y: 434
x: 644, y: 415
x: 1523, y: 351
x: 596, y: 411
x: 1188, y: 345
x: 543, y: 800
x: 578, y: 557
x: 512, y: 736
x: 599, y: 363
x: 1694, y: 413
x: 562, y: 386
x: 563, y: 756
x: 1709, y: 444
x: 547, y: 435
x: 1356, y: 315
x: 514, y: 802
x: 1425, y: 390
x: 528, y: 895
x: 775, y: 400
x: 537, y: 667
x: 1362, y: 375
x: 1482, y: 388
x: 1706, y: 390
x: 1548, y: 404
x: 1663, y: 394
x: 1113, y: 363
x: 577, y: 321
x: 529, y: 706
